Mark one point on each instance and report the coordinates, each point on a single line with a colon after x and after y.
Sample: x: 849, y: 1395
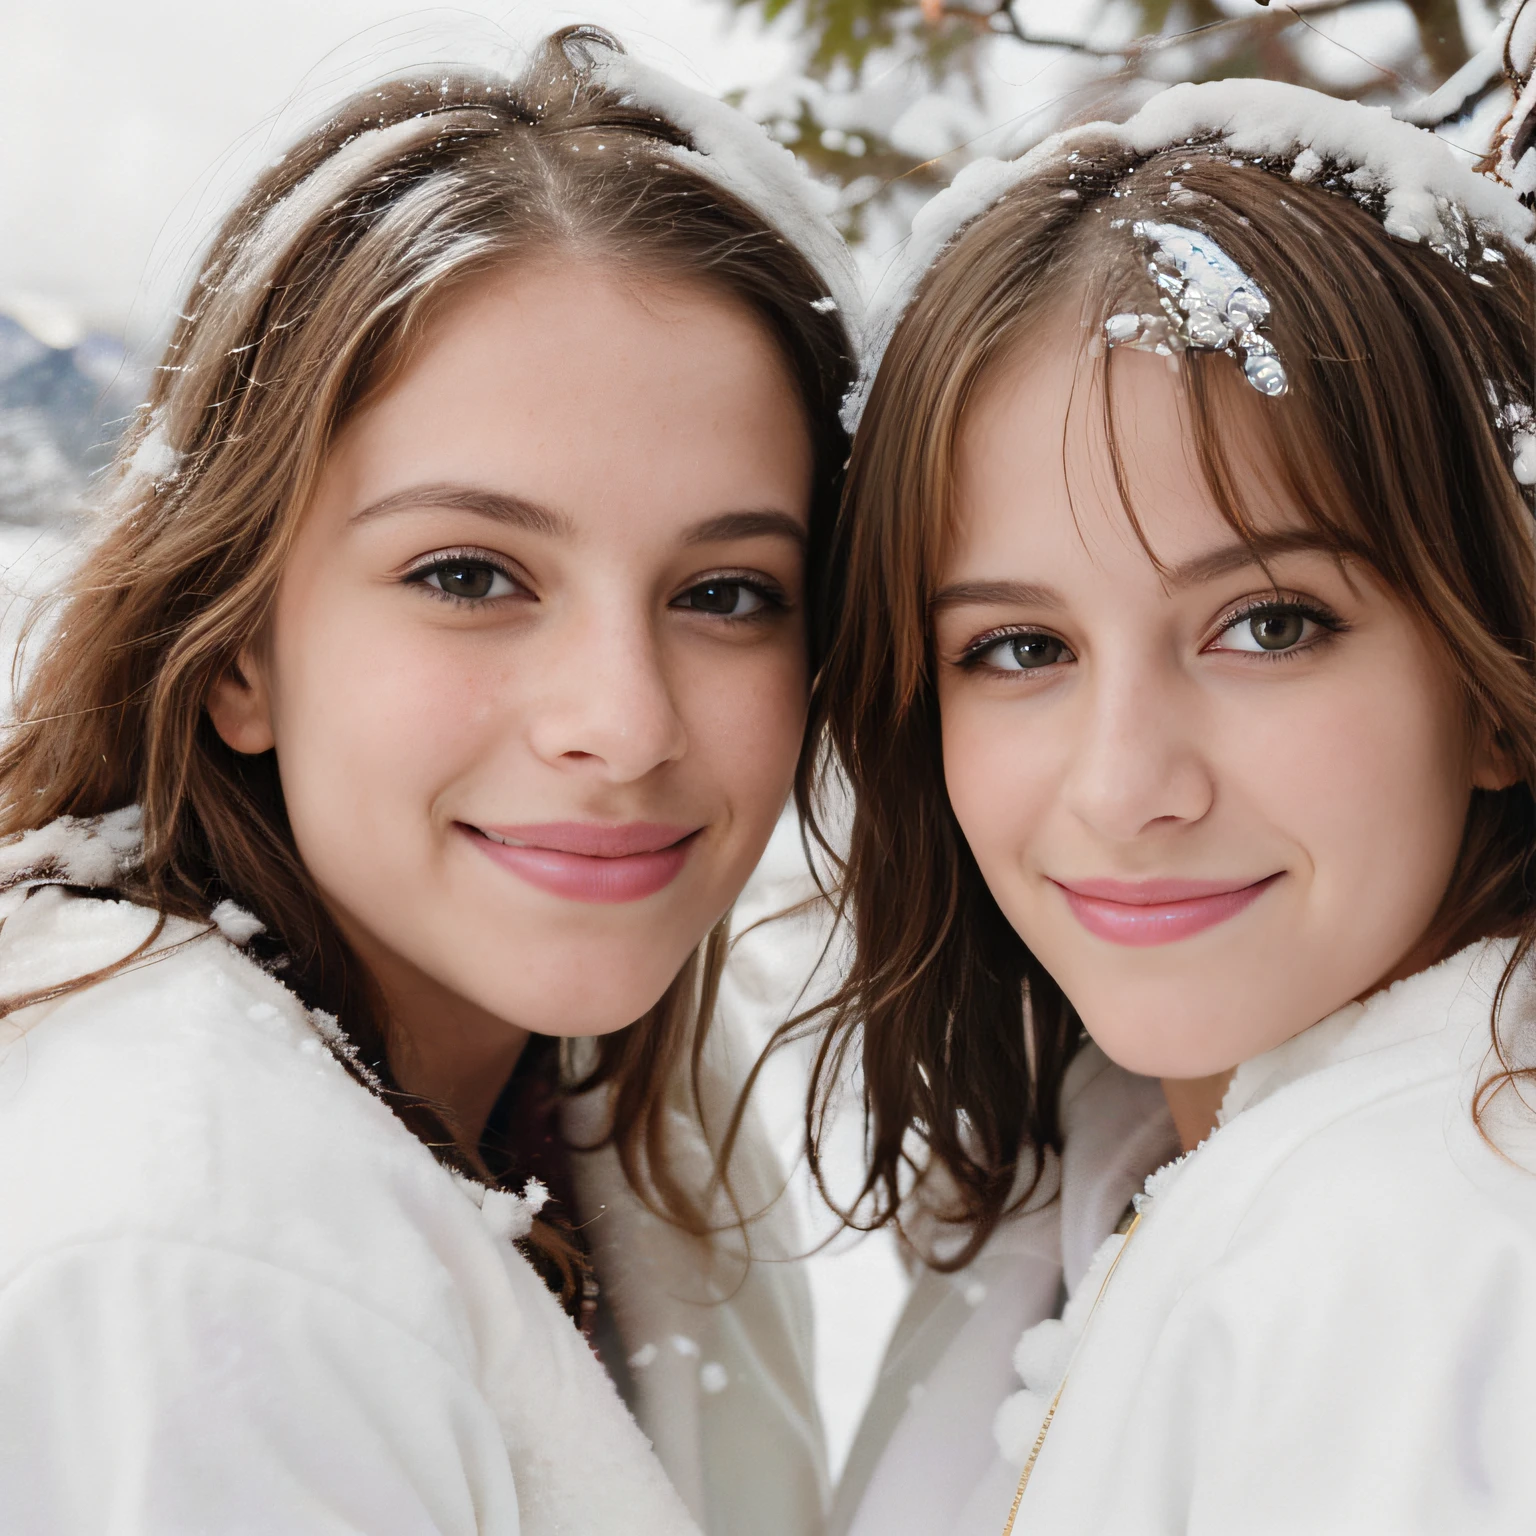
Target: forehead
x: 1082, y: 454
x: 584, y: 388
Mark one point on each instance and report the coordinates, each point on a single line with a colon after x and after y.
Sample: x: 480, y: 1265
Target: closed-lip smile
x: 1141, y: 913
x: 590, y: 861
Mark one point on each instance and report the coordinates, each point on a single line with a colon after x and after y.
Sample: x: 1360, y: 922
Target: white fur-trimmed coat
x: 236, y: 1295
x: 1326, y: 1319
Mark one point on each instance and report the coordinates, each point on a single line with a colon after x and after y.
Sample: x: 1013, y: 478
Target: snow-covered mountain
x: 62, y: 409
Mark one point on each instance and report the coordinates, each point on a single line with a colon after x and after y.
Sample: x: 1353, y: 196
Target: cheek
x: 998, y: 775
x: 370, y: 715
x: 745, y: 726
x: 1375, y: 782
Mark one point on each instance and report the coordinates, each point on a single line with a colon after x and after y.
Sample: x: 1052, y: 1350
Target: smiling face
x: 1219, y: 801
x: 536, y: 672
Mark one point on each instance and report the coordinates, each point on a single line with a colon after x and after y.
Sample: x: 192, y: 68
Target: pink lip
x: 590, y: 861
x: 1147, y: 912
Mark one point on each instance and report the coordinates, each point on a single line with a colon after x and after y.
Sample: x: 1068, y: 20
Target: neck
x: 1194, y: 1103
x: 459, y: 1058
x: 442, y: 1047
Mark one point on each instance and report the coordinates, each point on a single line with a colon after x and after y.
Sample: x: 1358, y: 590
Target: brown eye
x: 469, y: 580
x: 725, y: 599
x: 1029, y: 652
x: 1270, y: 631
x: 1278, y: 631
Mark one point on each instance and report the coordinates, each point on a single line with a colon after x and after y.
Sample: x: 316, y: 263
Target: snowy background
x: 126, y: 131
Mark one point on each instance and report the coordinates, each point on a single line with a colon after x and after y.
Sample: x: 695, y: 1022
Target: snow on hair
x: 334, y: 178
x: 739, y: 156
x: 1423, y: 192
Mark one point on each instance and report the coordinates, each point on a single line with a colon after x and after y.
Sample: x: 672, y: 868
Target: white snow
x: 330, y: 181
x: 510, y: 1216
x: 329, y: 1029
x: 1516, y: 36
x: 975, y: 189
x: 235, y: 923
x: 1417, y: 177
x: 1414, y: 172
x: 1483, y: 66
x: 154, y: 459
x: 1524, y: 448
x: 91, y: 851
x: 738, y: 155
x: 1208, y: 302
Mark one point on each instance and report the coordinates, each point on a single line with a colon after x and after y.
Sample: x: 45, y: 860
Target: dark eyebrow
x: 497, y: 505
x: 746, y: 525
x: 1203, y: 568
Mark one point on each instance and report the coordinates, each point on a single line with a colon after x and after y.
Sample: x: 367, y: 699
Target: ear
x: 1493, y: 764
x: 239, y: 704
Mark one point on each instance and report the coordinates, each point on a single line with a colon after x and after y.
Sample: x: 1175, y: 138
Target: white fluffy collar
x: 1421, y: 1005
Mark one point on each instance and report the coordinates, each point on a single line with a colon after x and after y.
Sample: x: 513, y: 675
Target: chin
x: 1168, y: 1042
x: 586, y: 996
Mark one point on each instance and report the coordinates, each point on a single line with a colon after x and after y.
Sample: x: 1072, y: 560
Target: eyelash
x: 417, y: 575
x: 773, y: 598
x: 972, y: 657
x: 1325, y: 619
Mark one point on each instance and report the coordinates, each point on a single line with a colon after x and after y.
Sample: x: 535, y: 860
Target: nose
x: 1138, y: 765
x: 606, y: 704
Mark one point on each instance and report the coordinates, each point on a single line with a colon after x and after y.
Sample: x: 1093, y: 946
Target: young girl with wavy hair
x: 1184, y: 684
x: 374, y: 804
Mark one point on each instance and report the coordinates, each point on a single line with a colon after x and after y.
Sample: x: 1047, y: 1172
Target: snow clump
x: 1421, y: 190
x: 509, y: 1216
x: 739, y: 156
x: 235, y: 923
x: 70, y: 850
x: 154, y: 459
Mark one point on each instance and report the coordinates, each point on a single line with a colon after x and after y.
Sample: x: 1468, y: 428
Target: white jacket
x: 236, y: 1295
x: 1326, y: 1318
x: 927, y: 1440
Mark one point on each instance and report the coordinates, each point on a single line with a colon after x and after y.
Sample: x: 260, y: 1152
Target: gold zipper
x: 1050, y: 1413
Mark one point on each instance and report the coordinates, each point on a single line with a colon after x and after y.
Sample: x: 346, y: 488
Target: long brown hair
x: 1401, y: 360
x: 308, y: 302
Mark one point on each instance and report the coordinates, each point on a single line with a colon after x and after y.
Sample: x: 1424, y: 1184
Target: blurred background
x: 125, y: 132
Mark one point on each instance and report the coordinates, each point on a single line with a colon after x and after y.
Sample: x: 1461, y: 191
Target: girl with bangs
x: 1184, y: 685
x: 372, y: 816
